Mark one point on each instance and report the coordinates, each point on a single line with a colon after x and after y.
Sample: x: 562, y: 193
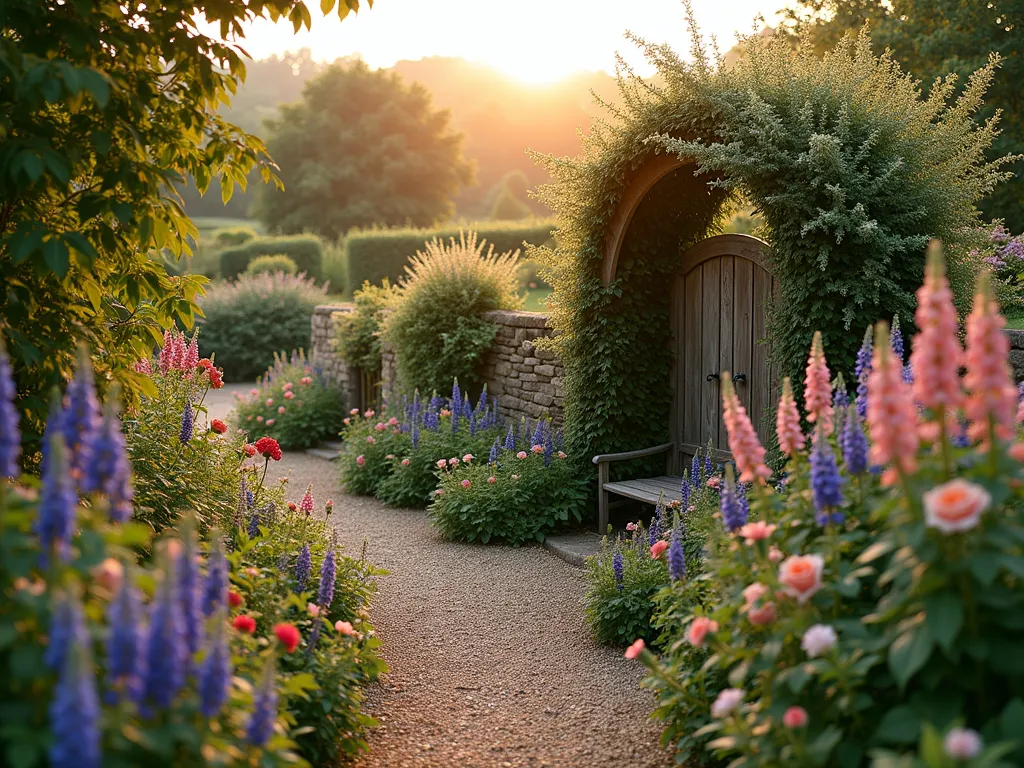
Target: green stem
x: 256, y: 498
x: 947, y: 459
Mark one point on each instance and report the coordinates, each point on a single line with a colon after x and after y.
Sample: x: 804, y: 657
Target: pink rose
x: 371, y: 439
x: 390, y: 456
x: 561, y: 455
x: 280, y: 409
x: 381, y: 426
x: 492, y: 480
x: 727, y: 701
x: 521, y: 455
x: 468, y: 458
x: 306, y: 380
x: 756, y: 531
x: 692, y: 508
x: 392, y: 421
x: 439, y: 491
x: 287, y: 385
x: 270, y: 422
x: 453, y: 461
x: 955, y: 506
x: 259, y: 419
x: 1017, y: 451
x: 775, y: 554
x: 347, y: 421
x: 405, y: 462
x: 108, y: 574
x: 635, y: 649
x: 289, y: 395
x: 765, y: 614
x: 270, y: 401
x: 753, y: 593
x: 466, y: 483
x: 354, y: 412
x: 538, y: 449
x: 360, y: 460
x: 699, y: 629
x: 442, y: 463
x: 630, y: 527
x: 801, y: 576
x: 962, y: 744
x: 795, y: 717
x: 445, y: 412
x: 657, y: 548
x: 345, y: 628
x: 249, y: 418
x: 313, y: 608
x: 254, y: 391
x: 714, y: 482
x: 369, y: 414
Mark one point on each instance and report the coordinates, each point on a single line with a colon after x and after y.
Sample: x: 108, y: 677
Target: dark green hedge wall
x: 307, y: 251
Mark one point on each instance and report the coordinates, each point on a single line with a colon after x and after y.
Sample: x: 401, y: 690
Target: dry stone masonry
x: 326, y: 356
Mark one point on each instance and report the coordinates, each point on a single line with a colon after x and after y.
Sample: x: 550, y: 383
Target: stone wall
x: 323, y: 352
x: 1017, y: 354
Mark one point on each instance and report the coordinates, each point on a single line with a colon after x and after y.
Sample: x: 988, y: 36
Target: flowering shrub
x: 1005, y: 257
x: 277, y: 262
x: 249, y: 319
x: 872, y: 611
x: 357, y: 333
x: 624, y: 577
x: 293, y: 403
x: 513, y: 495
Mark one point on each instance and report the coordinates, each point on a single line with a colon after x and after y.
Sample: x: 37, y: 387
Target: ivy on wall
x: 853, y: 168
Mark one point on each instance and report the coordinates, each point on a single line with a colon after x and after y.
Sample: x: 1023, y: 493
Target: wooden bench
x: 647, y: 490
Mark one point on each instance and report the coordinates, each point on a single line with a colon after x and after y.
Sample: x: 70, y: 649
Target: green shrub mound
x: 247, y: 321
x: 357, y: 333
x: 851, y: 167
x: 277, y: 262
x: 293, y: 403
x: 225, y: 238
x: 435, y: 326
x: 375, y: 254
x: 307, y: 251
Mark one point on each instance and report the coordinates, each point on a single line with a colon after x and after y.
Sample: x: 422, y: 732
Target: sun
x: 531, y: 71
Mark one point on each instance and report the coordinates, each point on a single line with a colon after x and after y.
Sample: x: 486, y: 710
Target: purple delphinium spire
x: 654, y: 532
x: 495, y: 452
x: 854, y: 444
x: 618, y: 568
x: 415, y: 429
x: 538, y: 434
x: 302, y: 568
x: 126, y: 642
x: 254, y: 524
x: 264, y: 709
x: 472, y: 422
x: 896, y: 339
x: 215, y: 585
x: 110, y: 472
x: 166, y: 648
x: 826, y: 483
x: 67, y: 628
x: 709, y: 467
x: 732, y: 512
x: 549, y: 448
x: 481, y: 405
x: 677, y: 554
x: 58, y: 504
x: 456, y: 396
x: 840, y: 400
x: 215, y: 671
x: 10, y: 435
x: 510, y: 439
x: 862, y: 370
x: 81, y: 416
x: 559, y: 440
x: 190, y: 590
x: 314, y: 635
x: 684, y: 491
x: 187, y: 422
x: 75, y: 711
x: 467, y: 408
x: 695, y: 469
x: 325, y: 595
x: 743, y: 499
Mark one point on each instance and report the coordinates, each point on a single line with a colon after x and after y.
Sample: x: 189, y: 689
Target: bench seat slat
x: 647, y: 490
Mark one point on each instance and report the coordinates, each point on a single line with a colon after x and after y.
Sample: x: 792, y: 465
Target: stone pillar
x: 324, y: 354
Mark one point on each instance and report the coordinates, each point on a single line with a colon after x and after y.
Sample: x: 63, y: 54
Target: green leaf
x: 56, y: 256
x: 944, y: 613
x: 1012, y: 719
x: 898, y: 726
x: 909, y: 653
x: 820, y: 749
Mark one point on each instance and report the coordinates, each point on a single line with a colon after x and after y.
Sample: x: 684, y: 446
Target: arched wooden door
x: 719, y: 323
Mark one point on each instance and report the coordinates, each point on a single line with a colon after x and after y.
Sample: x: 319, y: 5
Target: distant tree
x: 361, y: 148
x: 510, y: 198
x: 932, y: 38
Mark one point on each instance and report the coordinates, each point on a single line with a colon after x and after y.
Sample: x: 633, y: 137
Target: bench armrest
x: 605, y: 458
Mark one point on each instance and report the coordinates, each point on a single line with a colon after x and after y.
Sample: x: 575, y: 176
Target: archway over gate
x: 853, y: 171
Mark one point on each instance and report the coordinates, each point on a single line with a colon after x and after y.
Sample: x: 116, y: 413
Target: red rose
x: 289, y: 636
x: 249, y: 448
x: 268, y: 447
x: 218, y: 426
x: 234, y: 599
x: 216, y: 378
x: 244, y: 623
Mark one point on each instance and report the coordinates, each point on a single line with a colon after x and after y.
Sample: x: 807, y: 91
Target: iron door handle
x: 735, y: 377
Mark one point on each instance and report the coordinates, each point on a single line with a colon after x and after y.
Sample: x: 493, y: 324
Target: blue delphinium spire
x: 684, y: 491
x: 854, y: 444
x: 654, y: 532
x: 695, y: 469
x: 81, y: 415
x: 302, y: 568
x: 187, y: 422
x: 743, y: 499
x: 190, y: 590
x: 215, y: 671
x: 456, y: 396
x: 840, y: 400
x: 709, y: 467
x: 549, y: 448
x: 415, y: 429
x: 264, y: 709
x: 325, y: 595
x: 467, y: 408
x: 10, y: 434
x: 481, y: 405
x: 618, y: 567
x: 472, y: 422
x: 166, y: 648
x: 495, y: 452
x: 862, y: 370
x: 110, y: 472
x: 314, y: 636
x: 826, y: 482
x: 732, y: 512
x: 67, y: 628
x: 126, y: 642
x: 75, y: 711
x: 538, y: 434
x: 677, y: 554
x: 58, y: 505
x: 510, y: 439
x: 896, y: 339
x: 559, y: 441
x: 254, y: 524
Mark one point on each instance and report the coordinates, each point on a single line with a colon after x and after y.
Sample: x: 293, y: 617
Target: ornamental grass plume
x: 733, y: 516
x: 215, y: 671
x: 747, y: 450
x: 854, y: 443
x: 863, y: 368
x: 10, y: 435
x: 58, y: 503
x: 826, y: 482
x: 325, y: 594
x: 264, y: 711
x: 126, y: 642
x: 81, y: 419
x: 787, y: 422
x: 215, y: 586
x: 110, y: 472
x: 75, y: 711
x: 892, y: 415
x: 166, y: 652
x: 817, y: 386
x: 936, y: 355
x: 991, y: 402
x: 303, y: 566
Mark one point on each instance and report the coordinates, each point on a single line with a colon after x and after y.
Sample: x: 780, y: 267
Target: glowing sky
x: 534, y: 40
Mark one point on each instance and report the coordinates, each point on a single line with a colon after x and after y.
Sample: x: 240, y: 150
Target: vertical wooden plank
x: 761, y: 390
x: 725, y: 333
x: 677, y: 315
x: 743, y: 326
x: 711, y: 314
x: 691, y: 376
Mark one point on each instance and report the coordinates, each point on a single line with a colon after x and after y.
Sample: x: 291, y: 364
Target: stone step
x: 334, y: 445
x: 574, y: 548
x: 323, y: 453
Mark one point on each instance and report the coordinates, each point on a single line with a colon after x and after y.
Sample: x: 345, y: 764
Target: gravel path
x: 491, y: 662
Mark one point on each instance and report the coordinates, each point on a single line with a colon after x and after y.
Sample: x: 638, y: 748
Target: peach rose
x: 955, y: 506
x: 753, y: 594
x: 775, y: 554
x: 801, y: 576
x: 345, y: 628
x: 635, y: 649
x: 108, y: 574
x: 521, y: 455
x: 699, y: 630
x: 442, y: 463
x: 763, y: 615
x: 657, y: 548
x: 756, y: 531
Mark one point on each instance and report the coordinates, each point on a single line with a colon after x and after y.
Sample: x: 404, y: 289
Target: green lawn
x: 535, y: 300
x: 1016, y: 323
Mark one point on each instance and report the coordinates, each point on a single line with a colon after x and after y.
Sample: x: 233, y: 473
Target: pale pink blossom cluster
x: 892, y: 415
x: 817, y: 386
x: 787, y: 422
x: 991, y: 401
x: 307, y: 503
x: 178, y: 355
x: 936, y: 355
x: 746, y: 448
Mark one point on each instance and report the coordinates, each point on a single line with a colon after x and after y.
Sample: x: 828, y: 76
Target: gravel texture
x: 491, y: 663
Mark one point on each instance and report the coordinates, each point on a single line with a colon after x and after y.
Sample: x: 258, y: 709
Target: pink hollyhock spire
x: 191, y: 358
x: 892, y: 415
x: 991, y: 396
x: 818, y: 387
x: 167, y: 352
x: 787, y: 422
x: 746, y: 448
x: 936, y: 355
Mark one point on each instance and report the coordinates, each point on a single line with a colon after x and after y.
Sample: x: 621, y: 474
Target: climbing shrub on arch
x: 851, y: 165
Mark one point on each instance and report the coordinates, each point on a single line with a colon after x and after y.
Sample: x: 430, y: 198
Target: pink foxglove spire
x: 892, y: 415
x: 746, y: 448
x: 818, y: 387
x: 787, y: 422
x: 936, y: 355
x: 991, y: 395
x: 191, y: 359
x: 166, y: 352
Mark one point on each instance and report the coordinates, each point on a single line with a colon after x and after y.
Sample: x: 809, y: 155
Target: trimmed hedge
x: 372, y: 255
x: 307, y: 251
